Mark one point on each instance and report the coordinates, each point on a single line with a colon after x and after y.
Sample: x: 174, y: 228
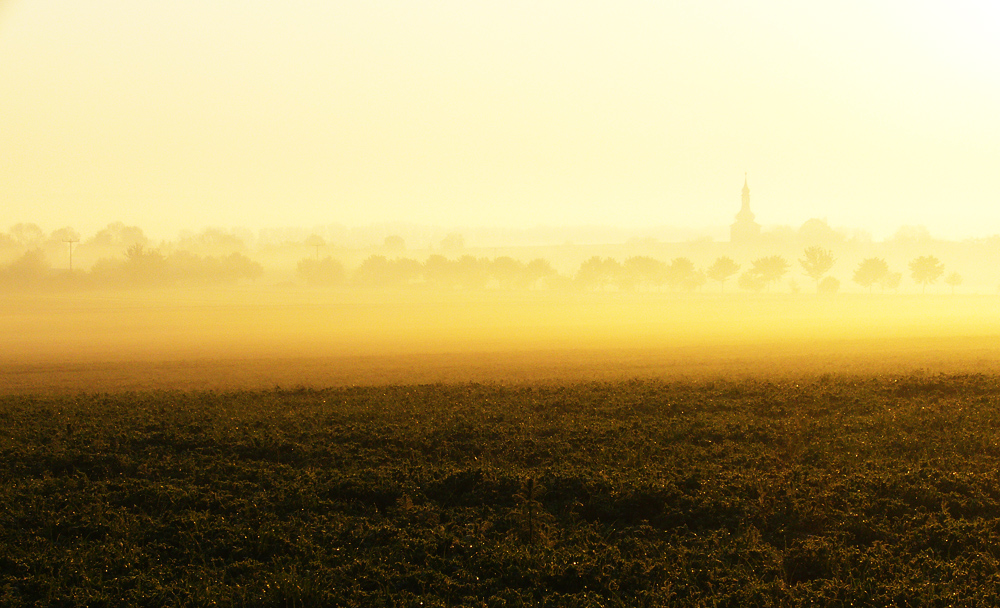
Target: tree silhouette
x: 506, y: 271
x: 28, y: 235
x: 29, y: 269
x: 817, y: 231
x: 644, y: 270
x: 537, y: 270
x: 770, y: 269
x: 453, y: 242
x: 64, y: 234
x: 117, y: 234
x: 394, y: 243
x: 817, y: 262
x: 925, y: 270
x: 681, y: 273
x: 472, y: 272
x: 696, y: 280
x: 953, y: 280
x: 327, y: 271
x: 439, y: 272
x: 828, y: 285
x: 145, y: 265
x: 192, y: 268
x: 891, y: 280
x: 751, y: 281
x: 908, y: 236
x: 721, y: 270
x: 214, y: 240
x: 231, y: 268
x: 599, y: 273
x: 7, y: 242
x: 870, y: 271
x: 378, y: 271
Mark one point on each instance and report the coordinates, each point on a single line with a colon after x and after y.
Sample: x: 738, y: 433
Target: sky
x: 184, y: 114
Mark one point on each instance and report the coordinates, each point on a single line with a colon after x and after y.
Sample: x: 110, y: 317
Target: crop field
x: 821, y: 490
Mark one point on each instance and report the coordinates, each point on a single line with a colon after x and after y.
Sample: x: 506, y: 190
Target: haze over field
x: 372, y: 302
x: 260, y: 338
x: 233, y: 194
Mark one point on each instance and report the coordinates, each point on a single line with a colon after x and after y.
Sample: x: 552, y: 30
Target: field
x: 820, y: 490
x: 289, y: 447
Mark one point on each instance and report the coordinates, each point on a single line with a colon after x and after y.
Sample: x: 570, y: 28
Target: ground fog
x: 260, y: 338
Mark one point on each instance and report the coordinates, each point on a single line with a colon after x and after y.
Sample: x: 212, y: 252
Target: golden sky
x: 187, y: 114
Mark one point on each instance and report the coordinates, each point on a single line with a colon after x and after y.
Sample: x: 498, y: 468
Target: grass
x: 822, y: 491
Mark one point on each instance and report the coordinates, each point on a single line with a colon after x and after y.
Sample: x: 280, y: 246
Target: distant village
x: 812, y: 258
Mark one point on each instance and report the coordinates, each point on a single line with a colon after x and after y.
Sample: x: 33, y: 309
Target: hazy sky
x: 517, y: 113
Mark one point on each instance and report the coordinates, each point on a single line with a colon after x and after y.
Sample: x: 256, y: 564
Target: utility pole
x: 71, y: 242
x: 315, y: 241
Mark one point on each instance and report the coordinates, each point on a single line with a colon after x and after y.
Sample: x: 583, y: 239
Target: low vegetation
x: 830, y: 491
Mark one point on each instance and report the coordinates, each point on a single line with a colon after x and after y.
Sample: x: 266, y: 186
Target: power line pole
x: 71, y: 242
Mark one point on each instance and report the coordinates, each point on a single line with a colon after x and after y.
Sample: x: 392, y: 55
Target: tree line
x: 223, y: 261
x: 466, y: 272
x: 217, y: 256
x: 636, y: 273
x: 924, y: 270
x: 141, y: 266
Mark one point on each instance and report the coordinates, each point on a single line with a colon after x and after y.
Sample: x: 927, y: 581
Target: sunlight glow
x: 187, y: 114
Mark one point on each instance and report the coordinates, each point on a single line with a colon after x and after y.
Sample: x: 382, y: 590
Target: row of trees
x: 26, y: 237
x: 640, y: 273
x: 466, y: 272
x: 141, y: 266
x: 113, y: 239
x: 144, y: 266
x: 596, y: 273
x: 924, y: 270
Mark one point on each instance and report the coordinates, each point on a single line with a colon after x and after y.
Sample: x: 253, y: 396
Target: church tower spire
x: 745, y: 214
x: 744, y: 229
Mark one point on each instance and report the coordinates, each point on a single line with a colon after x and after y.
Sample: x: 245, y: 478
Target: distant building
x: 744, y: 229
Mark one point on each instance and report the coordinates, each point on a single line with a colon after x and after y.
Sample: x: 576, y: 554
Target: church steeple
x: 744, y: 229
x: 745, y: 215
